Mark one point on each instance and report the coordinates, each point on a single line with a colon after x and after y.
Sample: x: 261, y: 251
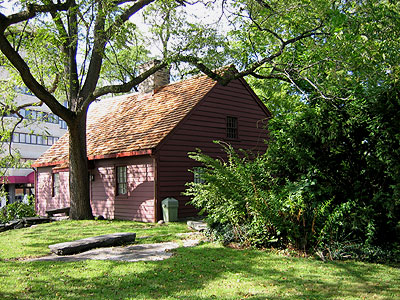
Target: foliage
x: 333, y: 159
x: 81, y: 50
x: 244, y: 203
x: 361, y: 251
x: 349, y: 150
x: 330, y: 175
x: 18, y: 210
x: 207, y: 271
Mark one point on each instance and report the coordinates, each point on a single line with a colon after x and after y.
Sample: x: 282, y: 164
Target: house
x: 138, y: 144
x: 31, y: 138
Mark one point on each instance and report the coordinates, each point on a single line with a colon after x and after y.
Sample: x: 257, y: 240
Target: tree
x: 81, y: 48
x: 330, y: 177
x: 100, y: 22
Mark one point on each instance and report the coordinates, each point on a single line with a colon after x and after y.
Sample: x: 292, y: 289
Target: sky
x: 197, y: 12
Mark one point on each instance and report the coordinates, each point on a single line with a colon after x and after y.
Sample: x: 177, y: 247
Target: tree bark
x: 78, y: 170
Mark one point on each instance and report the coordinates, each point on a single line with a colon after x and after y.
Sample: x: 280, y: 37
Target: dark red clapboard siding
x: 207, y: 123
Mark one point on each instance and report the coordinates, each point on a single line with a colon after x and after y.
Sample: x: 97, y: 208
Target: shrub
x: 18, y: 210
x: 331, y: 174
x: 360, y: 251
x: 244, y: 204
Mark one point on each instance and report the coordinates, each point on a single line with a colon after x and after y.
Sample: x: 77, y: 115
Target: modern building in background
x: 33, y: 136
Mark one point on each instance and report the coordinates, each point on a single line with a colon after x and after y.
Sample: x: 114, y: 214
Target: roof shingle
x: 133, y: 122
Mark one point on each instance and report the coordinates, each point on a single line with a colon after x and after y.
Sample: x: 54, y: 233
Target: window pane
x: 40, y: 140
x: 33, y: 139
x: 231, y: 127
x: 121, y: 180
x: 56, y: 183
x: 63, y: 124
x: 16, y: 138
x: 198, y: 175
x: 22, y: 137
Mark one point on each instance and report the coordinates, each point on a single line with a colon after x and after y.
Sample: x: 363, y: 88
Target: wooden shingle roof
x: 133, y: 123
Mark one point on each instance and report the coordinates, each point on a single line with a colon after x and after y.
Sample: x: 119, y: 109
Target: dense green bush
x: 361, y: 251
x: 244, y: 204
x: 331, y: 176
x: 17, y: 210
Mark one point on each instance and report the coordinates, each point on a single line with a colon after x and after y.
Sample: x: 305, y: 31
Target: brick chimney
x: 158, y: 79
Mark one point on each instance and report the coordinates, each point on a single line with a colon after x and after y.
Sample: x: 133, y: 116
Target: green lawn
x: 208, y: 271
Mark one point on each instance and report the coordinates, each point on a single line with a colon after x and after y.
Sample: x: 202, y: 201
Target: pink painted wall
x: 44, y: 191
x: 102, y: 191
x: 138, y: 203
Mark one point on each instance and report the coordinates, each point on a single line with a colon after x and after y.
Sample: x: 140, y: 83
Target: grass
x: 208, y: 271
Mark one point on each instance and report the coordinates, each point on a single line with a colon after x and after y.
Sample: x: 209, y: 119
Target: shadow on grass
x: 203, y: 272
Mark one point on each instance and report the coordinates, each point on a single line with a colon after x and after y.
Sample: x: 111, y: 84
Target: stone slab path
x: 132, y: 253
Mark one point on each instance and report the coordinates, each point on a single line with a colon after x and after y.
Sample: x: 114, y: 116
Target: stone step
x: 107, y: 240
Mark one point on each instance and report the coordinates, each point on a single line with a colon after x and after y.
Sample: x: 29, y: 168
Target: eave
x: 97, y: 157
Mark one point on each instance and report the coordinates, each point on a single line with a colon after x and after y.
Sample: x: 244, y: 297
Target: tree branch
x: 31, y: 11
x: 126, y: 15
x: 95, y: 63
x: 72, y: 49
x: 27, y: 77
x: 126, y: 87
x: 202, y: 67
x: 269, y: 76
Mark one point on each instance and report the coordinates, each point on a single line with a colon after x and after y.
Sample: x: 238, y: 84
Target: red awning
x: 18, y: 179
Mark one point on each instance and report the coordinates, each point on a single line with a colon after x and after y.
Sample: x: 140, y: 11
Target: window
x: 28, y: 114
x: 56, y: 184
x: 41, y: 115
x: 15, y: 138
x: 121, y: 181
x: 231, y: 127
x: 198, y: 175
x: 63, y: 124
x: 22, y: 138
x: 51, y: 119
x: 33, y: 139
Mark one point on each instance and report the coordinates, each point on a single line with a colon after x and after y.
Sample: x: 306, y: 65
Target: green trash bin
x: 170, y: 209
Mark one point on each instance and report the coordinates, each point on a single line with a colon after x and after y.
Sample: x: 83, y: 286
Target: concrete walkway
x: 132, y: 253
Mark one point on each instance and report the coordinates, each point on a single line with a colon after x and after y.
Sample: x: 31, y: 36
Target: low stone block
x: 197, y: 225
x: 107, y: 240
x: 35, y: 220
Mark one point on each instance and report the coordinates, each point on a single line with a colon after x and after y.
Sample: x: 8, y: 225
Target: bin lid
x: 170, y: 202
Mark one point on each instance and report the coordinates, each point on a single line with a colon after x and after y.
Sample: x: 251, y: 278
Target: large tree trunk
x: 78, y: 170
